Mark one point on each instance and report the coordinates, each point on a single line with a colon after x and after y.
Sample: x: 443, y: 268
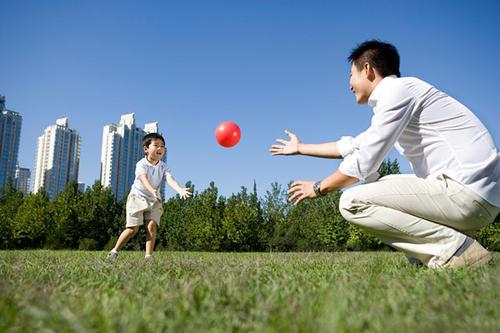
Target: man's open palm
x: 290, y: 147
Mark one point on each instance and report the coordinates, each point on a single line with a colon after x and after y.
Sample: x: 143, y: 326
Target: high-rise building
x: 22, y: 179
x: 57, y: 159
x: 120, y: 151
x: 151, y: 127
x: 10, y: 134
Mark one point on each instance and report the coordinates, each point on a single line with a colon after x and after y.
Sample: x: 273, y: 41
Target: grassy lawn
x: 63, y: 291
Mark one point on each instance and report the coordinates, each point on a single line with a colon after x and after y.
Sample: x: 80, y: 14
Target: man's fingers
x: 294, y: 188
x: 294, y: 196
x: 291, y: 135
x: 282, y: 141
x: 299, y: 200
x: 276, y: 150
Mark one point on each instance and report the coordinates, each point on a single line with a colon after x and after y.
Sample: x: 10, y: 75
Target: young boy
x: 456, y: 187
x: 144, y: 204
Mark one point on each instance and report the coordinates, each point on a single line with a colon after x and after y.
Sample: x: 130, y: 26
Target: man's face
x: 360, y: 84
x: 155, y: 150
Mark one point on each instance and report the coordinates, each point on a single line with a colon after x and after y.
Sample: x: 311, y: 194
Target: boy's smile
x: 155, y: 151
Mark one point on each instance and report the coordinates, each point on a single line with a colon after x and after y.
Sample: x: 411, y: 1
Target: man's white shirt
x: 155, y: 173
x: 434, y: 132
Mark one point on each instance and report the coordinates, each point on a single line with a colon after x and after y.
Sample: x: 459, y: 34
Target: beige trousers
x: 425, y: 218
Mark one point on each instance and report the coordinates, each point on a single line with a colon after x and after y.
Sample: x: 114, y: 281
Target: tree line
x: 208, y: 221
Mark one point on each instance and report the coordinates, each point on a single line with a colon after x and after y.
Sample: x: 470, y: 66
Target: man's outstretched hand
x: 300, y: 190
x: 290, y: 147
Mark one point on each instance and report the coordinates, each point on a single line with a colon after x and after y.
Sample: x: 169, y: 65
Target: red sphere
x: 227, y: 134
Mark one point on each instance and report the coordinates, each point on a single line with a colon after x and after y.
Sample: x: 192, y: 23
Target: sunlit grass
x: 285, y: 292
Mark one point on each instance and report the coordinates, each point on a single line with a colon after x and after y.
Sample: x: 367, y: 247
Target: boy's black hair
x: 383, y: 57
x: 146, y: 141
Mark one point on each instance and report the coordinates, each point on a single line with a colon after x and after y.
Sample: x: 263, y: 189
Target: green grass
x: 63, y: 291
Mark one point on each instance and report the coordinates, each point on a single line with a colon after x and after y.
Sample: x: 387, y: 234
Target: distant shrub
x: 489, y: 236
x: 87, y: 244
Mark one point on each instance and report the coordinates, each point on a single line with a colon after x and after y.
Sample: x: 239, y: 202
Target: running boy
x: 144, y: 204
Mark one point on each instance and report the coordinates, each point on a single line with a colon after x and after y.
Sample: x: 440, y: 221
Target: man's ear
x: 369, y: 72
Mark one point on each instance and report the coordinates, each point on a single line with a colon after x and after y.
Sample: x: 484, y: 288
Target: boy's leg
x: 134, y: 216
x: 417, y: 216
x: 153, y: 215
x: 125, y: 237
x: 151, y: 229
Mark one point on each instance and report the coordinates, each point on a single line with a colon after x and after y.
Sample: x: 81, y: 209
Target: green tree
x: 242, y: 220
x: 173, y: 233
x: 32, y: 222
x: 395, y: 167
x: 67, y: 230
x: 203, y: 220
x: 274, y: 215
x: 316, y: 225
x: 97, y: 212
x: 489, y: 236
x: 10, y: 201
x: 333, y: 230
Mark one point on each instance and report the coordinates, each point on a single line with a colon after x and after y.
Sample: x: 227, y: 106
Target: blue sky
x: 267, y: 65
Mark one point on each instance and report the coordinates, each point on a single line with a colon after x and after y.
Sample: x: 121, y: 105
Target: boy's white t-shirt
x: 155, y: 173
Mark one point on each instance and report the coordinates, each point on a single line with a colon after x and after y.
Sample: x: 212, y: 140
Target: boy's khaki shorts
x: 140, y: 209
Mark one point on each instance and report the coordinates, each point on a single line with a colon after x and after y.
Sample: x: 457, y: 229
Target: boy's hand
x: 301, y: 190
x: 290, y: 147
x: 185, y: 193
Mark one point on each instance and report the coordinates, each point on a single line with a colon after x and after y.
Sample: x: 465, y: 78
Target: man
x: 456, y: 186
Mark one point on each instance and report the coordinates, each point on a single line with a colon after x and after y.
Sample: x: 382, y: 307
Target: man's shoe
x: 471, y: 254
x: 112, y: 256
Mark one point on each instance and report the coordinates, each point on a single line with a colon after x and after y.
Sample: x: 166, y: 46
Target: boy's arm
x: 145, y: 181
x: 295, y: 147
x: 184, y: 192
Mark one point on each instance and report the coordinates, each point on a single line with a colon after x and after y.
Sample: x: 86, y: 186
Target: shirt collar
x: 375, y: 95
x: 151, y: 164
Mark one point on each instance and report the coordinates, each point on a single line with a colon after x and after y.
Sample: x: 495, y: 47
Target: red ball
x: 227, y: 134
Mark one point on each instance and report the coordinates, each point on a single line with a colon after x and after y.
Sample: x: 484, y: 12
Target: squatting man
x: 456, y: 186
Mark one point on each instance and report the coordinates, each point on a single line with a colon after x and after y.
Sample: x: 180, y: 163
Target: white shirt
x: 434, y: 132
x: 155, y: 173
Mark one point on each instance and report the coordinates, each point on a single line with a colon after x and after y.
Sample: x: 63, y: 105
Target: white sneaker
x: 112, y: 255
x: 148, y: 258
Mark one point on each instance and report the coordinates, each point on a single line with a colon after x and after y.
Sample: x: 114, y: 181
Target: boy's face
x: 360, y: 83
x: 155, y: 150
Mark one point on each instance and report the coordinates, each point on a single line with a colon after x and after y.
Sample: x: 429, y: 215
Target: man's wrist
x: 298, y: 148
x: 317, y: 189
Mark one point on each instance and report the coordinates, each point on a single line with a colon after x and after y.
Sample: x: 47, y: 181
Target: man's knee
x: 346, y: 203
x: 351, y: 203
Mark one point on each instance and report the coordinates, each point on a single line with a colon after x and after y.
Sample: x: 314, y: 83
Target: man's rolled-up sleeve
x: 391, y: 115
x: 348, y: 144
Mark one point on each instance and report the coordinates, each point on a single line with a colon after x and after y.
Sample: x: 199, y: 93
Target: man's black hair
x: 383, y: 57
x: 146, y: 141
